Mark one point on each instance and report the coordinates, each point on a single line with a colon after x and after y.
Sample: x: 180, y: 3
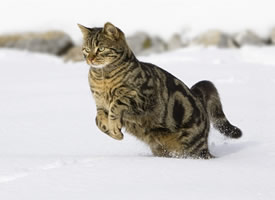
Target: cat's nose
x: 91, y: 57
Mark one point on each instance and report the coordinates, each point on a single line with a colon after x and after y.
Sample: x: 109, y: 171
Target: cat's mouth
x: 95, y: 65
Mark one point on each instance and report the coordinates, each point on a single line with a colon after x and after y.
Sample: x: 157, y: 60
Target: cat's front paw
x: 115, y: 130
x: 102, y: 122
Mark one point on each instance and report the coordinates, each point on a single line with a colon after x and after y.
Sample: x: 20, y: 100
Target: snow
x: 50, y: 147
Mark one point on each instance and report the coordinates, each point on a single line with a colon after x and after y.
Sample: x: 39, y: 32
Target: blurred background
x: 150, y: 26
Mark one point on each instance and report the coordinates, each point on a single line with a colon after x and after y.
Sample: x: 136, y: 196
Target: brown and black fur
x: 149, y: 102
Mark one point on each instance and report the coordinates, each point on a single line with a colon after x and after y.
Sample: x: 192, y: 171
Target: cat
x: 149, y: 102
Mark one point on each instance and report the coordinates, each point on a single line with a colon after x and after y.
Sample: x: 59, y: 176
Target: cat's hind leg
x: 180, y: 145
x: 195, y: 146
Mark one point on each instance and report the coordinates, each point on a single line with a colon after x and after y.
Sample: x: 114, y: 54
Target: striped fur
x: 149, y: 102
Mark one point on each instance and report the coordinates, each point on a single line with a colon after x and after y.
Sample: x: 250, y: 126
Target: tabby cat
x: 149, y: 102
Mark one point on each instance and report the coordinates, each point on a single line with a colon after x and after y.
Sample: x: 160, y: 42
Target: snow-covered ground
x: 50, y: 147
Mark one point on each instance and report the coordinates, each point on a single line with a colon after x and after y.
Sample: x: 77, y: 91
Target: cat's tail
x: 208, y: 94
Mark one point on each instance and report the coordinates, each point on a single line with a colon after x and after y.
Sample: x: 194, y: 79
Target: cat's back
x: 171, y: 82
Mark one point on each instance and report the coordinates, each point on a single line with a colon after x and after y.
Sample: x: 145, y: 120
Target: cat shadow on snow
x: 227, y: 148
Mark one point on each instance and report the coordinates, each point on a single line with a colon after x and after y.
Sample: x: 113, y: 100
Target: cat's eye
x: 86, y: 50
x: 101, y: 49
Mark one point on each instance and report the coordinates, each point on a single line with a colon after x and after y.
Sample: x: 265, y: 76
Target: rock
x: 272, y: 37
x: 52, y: 42
x: 138, y: 42
x: 157, y: 46
x: 74, y: 54
x: 214, y: 38
x: 174, y: 42
x: 248, y: 37
x: 142, y: 44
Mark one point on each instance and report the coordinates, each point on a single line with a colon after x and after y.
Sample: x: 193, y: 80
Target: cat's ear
x: 111, y: 30
x: 85, y: 31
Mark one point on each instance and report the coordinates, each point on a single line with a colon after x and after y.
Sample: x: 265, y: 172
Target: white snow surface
x: 50, y: 147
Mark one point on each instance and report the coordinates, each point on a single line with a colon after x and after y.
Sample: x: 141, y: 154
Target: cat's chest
x: 103, y: 92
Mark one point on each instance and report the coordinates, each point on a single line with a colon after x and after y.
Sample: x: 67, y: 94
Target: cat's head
x: 103, y: 46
